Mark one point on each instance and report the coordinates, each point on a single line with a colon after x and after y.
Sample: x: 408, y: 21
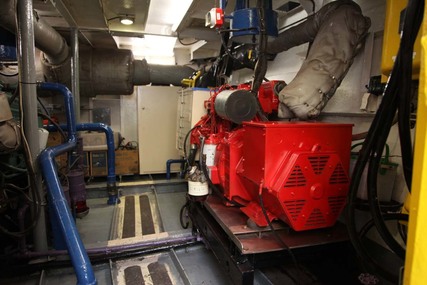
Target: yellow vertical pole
x: 416, y: 252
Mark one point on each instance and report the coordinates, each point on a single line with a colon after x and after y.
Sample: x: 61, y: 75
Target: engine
x: 293, y: 171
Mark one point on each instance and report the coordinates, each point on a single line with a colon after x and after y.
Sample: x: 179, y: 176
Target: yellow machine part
x: 391, y: 40
x: 416, y: 250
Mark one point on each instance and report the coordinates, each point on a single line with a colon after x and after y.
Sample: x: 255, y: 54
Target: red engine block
x: 298, y: 169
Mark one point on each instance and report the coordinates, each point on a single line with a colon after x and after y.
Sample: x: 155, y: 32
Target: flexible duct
x: 114, y: 72
x: 102, y: 71
x: 337, y: 33
x: 157, y: 74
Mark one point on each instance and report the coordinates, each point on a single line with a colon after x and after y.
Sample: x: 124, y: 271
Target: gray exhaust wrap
x: 338, y: 31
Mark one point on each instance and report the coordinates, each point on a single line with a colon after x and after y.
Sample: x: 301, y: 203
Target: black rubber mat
x: 133, y: 276
x: 159, y: 274
x: 129, y: 218
x: 147, y: 222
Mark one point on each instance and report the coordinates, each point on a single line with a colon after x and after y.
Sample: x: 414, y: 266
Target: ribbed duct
x: 114, y: 72
x: 102, y: 71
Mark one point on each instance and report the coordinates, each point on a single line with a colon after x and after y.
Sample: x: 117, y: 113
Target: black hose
x: 57, y: 126
x: 185, y: 142
x: 405, y: 98
x: 371, y: 147
x: 43, y: 106
x: 401, y: 101
x: 402, y: 231
x: 15, y: 94
x: 12, y: 167
x: 276, y: 235
x: 374, y: 165
x: 184, y: 210
x: 387, y: 217
x: 261, y: 64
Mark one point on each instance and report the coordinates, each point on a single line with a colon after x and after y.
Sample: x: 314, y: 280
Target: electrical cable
x: 185, y: 142
x: 25, y: 195
x: 57, y: 126
x: 12, y: 167
x: 403, y: 90
x: 405, y: 111
x: 186, y: 44
x: 314, y: 6
x: 261, y: 64
x: 374, y: 165
x: 387, y: 217
x: 43, y: 106
x: 184, y: 225
x: 36, y: 210
x: 276, y: 235
x: 388, y: 105
x: 27, y: 152
x: 15, y: 94
x: 364, y: 154
x: 402, y: 231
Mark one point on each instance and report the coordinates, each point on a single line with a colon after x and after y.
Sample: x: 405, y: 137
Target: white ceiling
x: 158, y: 24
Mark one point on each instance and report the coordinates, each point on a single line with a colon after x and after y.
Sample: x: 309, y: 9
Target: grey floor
x: 189, y: 265
x: 185, y: 265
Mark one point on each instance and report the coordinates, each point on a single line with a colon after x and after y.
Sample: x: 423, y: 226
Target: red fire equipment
x: 293, y: 171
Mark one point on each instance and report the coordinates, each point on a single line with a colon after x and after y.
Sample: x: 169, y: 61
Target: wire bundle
x: 396, y: 97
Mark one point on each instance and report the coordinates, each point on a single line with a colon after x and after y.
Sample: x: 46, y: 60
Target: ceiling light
x: 127, y: 20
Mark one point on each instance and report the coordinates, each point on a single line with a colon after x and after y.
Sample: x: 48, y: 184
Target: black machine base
x: 241, y: 248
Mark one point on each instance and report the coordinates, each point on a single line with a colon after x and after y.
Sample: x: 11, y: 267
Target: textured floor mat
x: 154, y: 269
x: 136, y: 216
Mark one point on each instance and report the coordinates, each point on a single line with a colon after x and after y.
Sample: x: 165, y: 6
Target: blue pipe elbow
x: 59, y: 204
x: 113, y: 192
x: 168, y: 166
x: 62, y: 213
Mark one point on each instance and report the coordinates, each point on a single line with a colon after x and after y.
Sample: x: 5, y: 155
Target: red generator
x: 293, y: 171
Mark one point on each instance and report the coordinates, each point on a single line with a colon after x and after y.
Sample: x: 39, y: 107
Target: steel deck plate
x: 251, y: 240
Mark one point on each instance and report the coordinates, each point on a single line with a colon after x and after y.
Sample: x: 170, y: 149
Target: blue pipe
x: 113, y: 193
x: 61, y: 211
x: 168, y: 166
